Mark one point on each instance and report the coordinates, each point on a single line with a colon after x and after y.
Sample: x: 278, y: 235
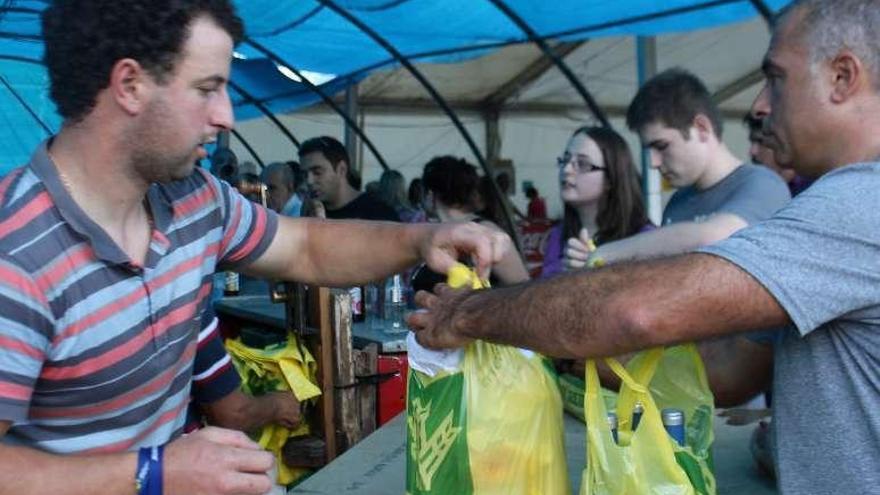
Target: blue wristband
x: 142, y: 473
x: 154, y: 486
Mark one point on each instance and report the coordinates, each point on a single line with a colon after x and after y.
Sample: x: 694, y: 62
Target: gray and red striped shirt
x: 96, y: 352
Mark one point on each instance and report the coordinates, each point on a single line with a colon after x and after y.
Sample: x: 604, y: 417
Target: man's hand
x: 286, y: 409
x: 433, y: 324
x: 442, y: 248
x: 578, y: 250
x: 216, y: 461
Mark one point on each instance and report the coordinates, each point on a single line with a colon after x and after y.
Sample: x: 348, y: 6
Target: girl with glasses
x: 602, y: 195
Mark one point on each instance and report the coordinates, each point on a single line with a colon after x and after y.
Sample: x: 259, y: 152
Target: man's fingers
x: 251, y: 461
x: 417, y: 321
x: 247, y: 483
x: 228, y: 437
x: 425, y: 299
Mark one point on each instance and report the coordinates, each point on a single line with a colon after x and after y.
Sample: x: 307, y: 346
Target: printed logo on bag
x: 429, y: 452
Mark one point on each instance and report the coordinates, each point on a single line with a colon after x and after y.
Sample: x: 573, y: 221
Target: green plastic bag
x: 492, y: 426
x: 648, y: 460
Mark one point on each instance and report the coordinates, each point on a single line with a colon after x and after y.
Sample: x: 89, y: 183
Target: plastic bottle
x: 395, y: 306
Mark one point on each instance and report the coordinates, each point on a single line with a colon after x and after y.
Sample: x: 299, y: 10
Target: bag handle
x: 634, y: 388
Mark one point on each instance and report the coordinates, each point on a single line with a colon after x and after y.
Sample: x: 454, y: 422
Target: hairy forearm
x: 25, y: 470
x: 620, y: 309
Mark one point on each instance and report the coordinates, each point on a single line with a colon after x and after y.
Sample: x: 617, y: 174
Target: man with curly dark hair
x: 109, y: 238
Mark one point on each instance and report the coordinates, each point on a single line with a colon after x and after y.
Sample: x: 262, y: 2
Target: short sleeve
x: 248, y: 228
x: 26, y: 331
x: 820, y: 255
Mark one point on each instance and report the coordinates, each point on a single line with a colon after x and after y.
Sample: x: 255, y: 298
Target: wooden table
x: 377, y: 465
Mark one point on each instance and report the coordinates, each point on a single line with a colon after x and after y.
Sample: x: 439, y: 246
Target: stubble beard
x: 152, y: 160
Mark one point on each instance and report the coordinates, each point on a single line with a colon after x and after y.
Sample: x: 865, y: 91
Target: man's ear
x: 848, y: 76
x: 702, y: 128
x: 130, y: 85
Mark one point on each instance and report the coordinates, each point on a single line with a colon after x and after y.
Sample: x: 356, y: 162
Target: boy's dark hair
x: 452, y: 180
x: 673, y: 98
x: 85, y: 38
x: 335, y: 152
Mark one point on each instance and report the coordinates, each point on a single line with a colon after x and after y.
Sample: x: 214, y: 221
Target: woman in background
x: 601, y: 193
x: 450, y: 190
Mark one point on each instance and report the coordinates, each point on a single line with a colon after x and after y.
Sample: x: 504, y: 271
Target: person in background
x: 600, y: 192
x: 334, y: 183
x: 392, y: 191
x: 762, y: 154
x: 281, y: 188
x: 718, y: 194
x: 537, y: 207
x: 416, y: 194
x: 217, y: 398
x: 450, y: 187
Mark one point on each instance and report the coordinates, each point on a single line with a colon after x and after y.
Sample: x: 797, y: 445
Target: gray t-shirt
x: 750, y: 192
x: 820, y: 258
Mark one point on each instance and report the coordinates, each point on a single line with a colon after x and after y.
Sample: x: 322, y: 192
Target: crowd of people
x: 111, y: 237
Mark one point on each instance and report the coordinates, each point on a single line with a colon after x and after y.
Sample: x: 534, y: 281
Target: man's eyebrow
x: 215, y: 79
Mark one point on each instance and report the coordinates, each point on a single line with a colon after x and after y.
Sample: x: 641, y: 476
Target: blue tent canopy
x: 312, y: 37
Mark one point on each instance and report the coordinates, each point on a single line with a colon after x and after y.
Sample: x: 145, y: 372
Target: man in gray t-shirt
x: 815, y: 264
x: 820, y: 259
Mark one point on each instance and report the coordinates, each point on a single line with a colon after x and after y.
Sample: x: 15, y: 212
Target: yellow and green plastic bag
x: 493, y: 426
x: 281, y: 368
x: 648, y: 460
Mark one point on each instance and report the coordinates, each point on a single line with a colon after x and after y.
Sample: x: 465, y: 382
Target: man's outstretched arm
x: 605, y: 312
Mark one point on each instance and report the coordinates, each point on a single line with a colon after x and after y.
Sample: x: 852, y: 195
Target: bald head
x: 280, y: 184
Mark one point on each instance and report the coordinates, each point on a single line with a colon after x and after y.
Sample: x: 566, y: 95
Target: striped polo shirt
x: 96, y: 352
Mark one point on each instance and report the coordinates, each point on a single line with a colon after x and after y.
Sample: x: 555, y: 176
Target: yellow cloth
x: 274, y: 369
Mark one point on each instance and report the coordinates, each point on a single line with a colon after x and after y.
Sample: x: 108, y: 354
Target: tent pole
x: 646, y: 57
x: 764, y: 10
x: 329, y: 101
x: 268, y: 113
x: 350, y: 137
x: 24, y: 104
x: 557, y: 61
x: 508, y: 217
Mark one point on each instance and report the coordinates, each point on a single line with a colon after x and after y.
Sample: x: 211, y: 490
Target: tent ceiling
x: 607, y: 66
x: 468, y: 32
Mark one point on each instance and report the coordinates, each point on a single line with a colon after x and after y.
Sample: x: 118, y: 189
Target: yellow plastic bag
x: 648, y: 460
x: 274, y: 369
x: 492, y: 427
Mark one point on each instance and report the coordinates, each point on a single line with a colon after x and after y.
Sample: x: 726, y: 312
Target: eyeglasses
x: 581, y: 164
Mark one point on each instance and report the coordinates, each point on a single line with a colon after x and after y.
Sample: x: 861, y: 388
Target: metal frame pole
x: 435, y: 95
x: 268, y: 113
x: 557, y: 61
x: 646, y: 57
x: 327, y: 99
